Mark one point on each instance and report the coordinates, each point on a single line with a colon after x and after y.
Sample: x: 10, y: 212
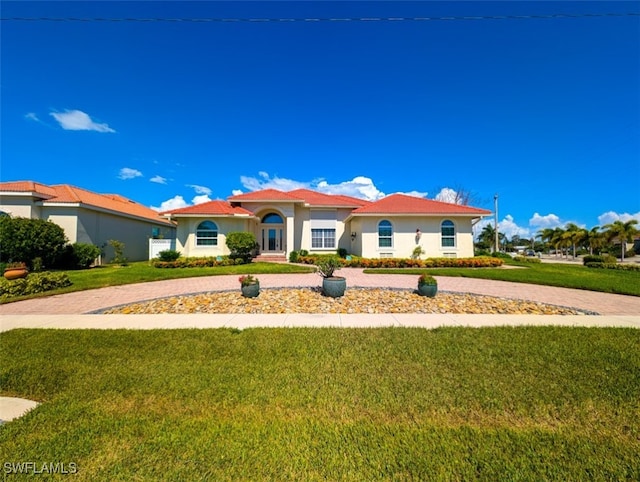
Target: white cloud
x: 359, y: 187
x: 175, y: 202
x: 447, y: 195
x: 200, y: 199
x: 414, y: 193
x: 200, y: 189
x: 76, y: 120
x: 128, y: 173
x: 236, y: 192
x: 542, y: 222
x: 32, y: 116
x: 611, y: 216
x: 283, y: 184
x: 158, y: 180
x: 509, y: 228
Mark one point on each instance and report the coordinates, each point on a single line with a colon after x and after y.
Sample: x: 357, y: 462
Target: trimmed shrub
x: 293, y: 257
x: 242, y: 245
x: 84, y: 254
x: 33, y: 283
x: 24, y: 239
x: 501, y: 255
x: 169, y: 255
x: 599, y: 258
x: 342, y: 253
x: 526, y: 259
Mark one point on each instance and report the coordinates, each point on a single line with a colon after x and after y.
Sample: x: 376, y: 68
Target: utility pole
x: 495, y: 221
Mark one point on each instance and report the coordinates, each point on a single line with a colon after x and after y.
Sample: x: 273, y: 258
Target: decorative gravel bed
x: 355, y: 300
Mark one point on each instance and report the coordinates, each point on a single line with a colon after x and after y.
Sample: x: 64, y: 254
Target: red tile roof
x: 66, y: 194
x: 315, y: 198
x: 265, y: 195
x: 219, y: 208
x: 40, y: 190
x: 403, y: 204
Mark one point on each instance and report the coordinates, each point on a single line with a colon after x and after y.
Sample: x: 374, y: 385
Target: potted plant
x: 427, y: 285
x: 15, y: 271
x: 333, y: 286
x: 249, y: 285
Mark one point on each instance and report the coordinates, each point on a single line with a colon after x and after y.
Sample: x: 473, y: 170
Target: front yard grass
x: 528, y: 403
x: 561, y: 275
x: 141, y: 272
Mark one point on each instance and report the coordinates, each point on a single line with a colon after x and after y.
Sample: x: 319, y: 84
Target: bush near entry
x: 24, y: 239
x: 33, y: 283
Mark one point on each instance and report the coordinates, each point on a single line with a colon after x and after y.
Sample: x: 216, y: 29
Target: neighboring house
x: 88, y: 217
x: 321, y: 223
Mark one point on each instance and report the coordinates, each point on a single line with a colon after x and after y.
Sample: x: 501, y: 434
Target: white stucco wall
x: 404, y: 237
x: 19, y: 206
x: 186, y: 235
x: 83, y: 225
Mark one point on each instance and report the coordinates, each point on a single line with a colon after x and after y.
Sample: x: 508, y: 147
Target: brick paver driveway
x: 98, y: 299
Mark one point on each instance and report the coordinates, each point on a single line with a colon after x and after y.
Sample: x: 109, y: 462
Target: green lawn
x: 140, y: 272
x: 327, y: 404
x: 556, y: 274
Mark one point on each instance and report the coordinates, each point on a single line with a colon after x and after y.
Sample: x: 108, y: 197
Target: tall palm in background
x: 558, y: 240
x: 623, y: 232
x: 545, y: 236
x: 595, y: 239
x: 573, y: 235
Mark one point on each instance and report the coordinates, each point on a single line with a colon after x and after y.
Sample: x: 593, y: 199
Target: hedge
x: 357, y: 262
x: 33, y: 283
x: 208, y: 262
x: 623, y: 267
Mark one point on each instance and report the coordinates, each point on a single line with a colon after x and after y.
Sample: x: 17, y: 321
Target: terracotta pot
x: 15, y: 273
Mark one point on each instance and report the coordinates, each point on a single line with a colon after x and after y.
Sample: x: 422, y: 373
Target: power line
x: 319, y: 19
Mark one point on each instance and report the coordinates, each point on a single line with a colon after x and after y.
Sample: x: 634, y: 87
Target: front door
x: 272, y: 233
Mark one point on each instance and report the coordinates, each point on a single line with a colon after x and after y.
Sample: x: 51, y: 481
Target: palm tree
x: 594, y: 238
x: 558, y: 240
x: 623, y: 232
x: 545, y: 236
x: 573, y: 235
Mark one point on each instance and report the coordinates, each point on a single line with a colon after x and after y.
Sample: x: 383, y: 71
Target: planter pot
x: 427, y: 290
x: 251, y: 291
x: 334, y: 286
x: 15, y: 273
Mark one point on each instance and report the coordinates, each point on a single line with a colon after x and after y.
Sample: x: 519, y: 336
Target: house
x: 322, y: 223
x: 87, y: 217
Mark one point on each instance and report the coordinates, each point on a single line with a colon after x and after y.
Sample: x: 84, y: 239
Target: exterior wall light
x: 353, y: 236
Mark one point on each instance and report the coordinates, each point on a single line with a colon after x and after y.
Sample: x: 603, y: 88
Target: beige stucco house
x: 87, y: 217
x: 321, y: 223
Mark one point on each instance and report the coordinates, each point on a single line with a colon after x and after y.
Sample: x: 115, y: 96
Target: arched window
x: 448, y: 234
x: 272, y: 218
x: 385, y: 234
x: 207, y: 234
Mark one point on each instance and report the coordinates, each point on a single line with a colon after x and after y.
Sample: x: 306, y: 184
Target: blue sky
x: 543, y: 111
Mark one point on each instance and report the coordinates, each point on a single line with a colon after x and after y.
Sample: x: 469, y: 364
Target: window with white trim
x: 207, y: 234
x: 385, y: 234
x: 323, y: 238
x: 447, y: 234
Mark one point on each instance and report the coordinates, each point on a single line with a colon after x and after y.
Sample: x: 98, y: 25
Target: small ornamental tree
x: 24, y: 239
x: 242, y: 245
